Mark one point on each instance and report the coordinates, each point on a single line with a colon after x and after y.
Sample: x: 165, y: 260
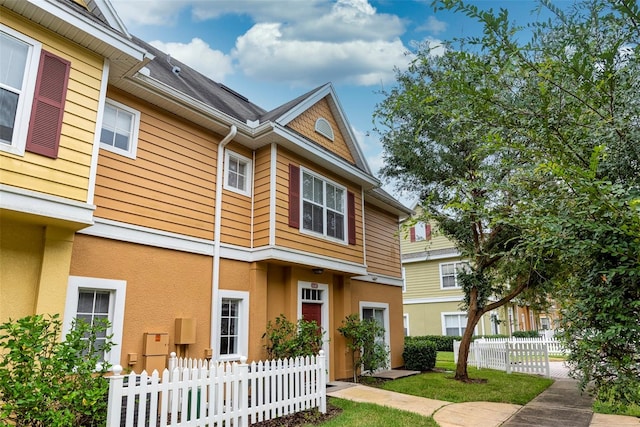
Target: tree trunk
x: 473, y: 317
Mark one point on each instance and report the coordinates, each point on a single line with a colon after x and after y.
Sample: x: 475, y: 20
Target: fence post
x: 322, y: 387
x: 546, y: 360
x: 243, y: 405
x: 507, y: 347
x: 114, y: 405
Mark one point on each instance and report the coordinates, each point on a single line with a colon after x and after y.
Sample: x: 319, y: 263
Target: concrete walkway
x: 560, y: 405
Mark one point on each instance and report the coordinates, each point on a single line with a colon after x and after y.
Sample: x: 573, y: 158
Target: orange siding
x: 170, y: 185
x: 383, y: 244
x: 306, y: 123
x: 262, y: 182
x: 291, y: 237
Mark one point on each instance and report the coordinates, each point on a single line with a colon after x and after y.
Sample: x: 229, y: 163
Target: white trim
x: 243, y: 327
x: 383, y: 305
x: 404, y: 280
x: 455, y: 274
x: 325, y: 312
x: 406, y: 316
x: 273, y: 179
x: 454, y: 313
x: 111, y: 15
x: 433, y: 300
x: 148, y: 236
x: 325, y: 209
x: 95, y: 152
x: 379, y: 279
x: 118, y: 289
x: 431, y: 257
x: 305, y: 258
x: 248, y: 174
x: 46, y: 205
x: 27, y: 91
x: 135, y: 127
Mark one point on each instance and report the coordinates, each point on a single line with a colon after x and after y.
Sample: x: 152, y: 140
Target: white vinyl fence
x: 201, y: 393
x: 508, y: 355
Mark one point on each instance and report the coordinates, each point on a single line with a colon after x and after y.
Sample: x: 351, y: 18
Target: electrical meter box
x: 185, y: 330
x: 156, y: 343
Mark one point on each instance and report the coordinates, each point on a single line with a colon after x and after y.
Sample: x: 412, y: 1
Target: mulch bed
x: 302, y: 418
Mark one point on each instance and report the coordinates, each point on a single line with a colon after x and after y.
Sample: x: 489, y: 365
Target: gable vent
x: 324, y: 128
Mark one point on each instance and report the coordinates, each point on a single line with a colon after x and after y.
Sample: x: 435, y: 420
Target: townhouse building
x: 134, y: 188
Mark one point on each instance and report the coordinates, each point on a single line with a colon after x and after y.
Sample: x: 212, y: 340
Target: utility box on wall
x: 185, y: 330
x: 156, y: 344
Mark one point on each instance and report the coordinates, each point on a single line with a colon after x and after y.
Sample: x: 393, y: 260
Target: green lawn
x: 500, y: 386
x: 369, y: 415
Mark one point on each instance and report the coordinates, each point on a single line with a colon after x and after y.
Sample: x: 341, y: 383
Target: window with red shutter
x: 48, y: 105
x: 412, y: 234
x: 294, y: 196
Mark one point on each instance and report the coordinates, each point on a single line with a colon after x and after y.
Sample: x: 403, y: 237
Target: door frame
x: 324, y: 301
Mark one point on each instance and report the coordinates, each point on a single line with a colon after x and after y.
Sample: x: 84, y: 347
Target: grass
x: 369, y: 415
x: 499, y: 387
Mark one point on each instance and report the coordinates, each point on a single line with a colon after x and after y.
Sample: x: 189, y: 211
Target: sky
x: 272, y: 51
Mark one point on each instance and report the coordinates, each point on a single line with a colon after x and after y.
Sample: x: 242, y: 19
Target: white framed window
x: 449, y: 274
x: 18, y: 74
x: 454, y: 323
x: 378, y: 311
x: 404, y: 279
x: 405, y: 324
x: 323, y: 207
x: 119, y: 129
x: 90, y: 299
x: 233, y: 325
x: 237, y: 175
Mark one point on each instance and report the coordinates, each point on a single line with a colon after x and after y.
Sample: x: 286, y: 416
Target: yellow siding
x: 426, y: 319
x: 262, y: 182
x: 306, y: 123
x: 68, y: 175
x: 170, y: 185
x: 291, y: 237
x: 423, y: 280
x: 437, y: 241
x: 236, y: 211
x: 383, y: 247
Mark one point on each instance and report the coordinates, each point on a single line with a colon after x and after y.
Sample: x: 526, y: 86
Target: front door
x: 312, y: 311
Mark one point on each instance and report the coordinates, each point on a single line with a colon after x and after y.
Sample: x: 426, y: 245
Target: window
x: 238, y: 173
x: 18, y: 72
x: 420, y: 231
x: 91, y: 299
x: 379, y: 312
x: 405, y: 323
x: 323, y: 207
x: 404, y: 280
x: 119, y: 132
x: 449, y: 274
x: 454, y: 324
x: 233, y: 325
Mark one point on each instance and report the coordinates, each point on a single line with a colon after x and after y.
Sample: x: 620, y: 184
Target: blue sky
x: 275, y: 50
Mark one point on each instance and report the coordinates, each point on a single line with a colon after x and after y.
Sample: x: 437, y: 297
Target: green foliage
x: 419, y: 355
x: 364, y: 339
x: 286, y: 339
x: 46, y: 382
x: 526, y: 334
x: 442, y: 342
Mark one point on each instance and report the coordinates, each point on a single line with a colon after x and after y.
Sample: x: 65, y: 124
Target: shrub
x: 364, y: 339
x: 526, y: 334
x: 52, y: 383
x: 419, y: 355
x: 442, y: 342
x: 286, y: 339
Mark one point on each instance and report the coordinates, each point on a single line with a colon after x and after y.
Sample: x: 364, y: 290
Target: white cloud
x: 138, y: 12
x: 264, y: 53
x: 433, y: 26
x: 199, y: 55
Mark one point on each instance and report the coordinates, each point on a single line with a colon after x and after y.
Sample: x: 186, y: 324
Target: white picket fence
x: 554, y: 346
x: 508, y: 355
x: 201, y: 393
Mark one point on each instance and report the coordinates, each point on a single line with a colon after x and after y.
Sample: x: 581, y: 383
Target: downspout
x: 215, y: 282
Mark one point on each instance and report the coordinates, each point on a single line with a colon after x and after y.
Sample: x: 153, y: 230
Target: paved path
x: 562, y: 404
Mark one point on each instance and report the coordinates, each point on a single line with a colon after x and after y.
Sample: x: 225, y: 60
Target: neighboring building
x: 136, y: 189
x: 432, y: 296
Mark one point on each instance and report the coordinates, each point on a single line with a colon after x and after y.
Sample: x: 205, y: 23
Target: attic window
x: 324, y: 128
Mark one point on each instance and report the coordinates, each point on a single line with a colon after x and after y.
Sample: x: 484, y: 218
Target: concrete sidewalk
x: 559, y: 405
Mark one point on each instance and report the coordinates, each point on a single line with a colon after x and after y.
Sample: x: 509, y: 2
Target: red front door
x: 312, y: 311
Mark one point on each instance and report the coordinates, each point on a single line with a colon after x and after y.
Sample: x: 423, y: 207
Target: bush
x: 364, y: 339
x: 52, y: 383
x: 442, y: 342
x: 419, y: 355
x: 286, y: 339
x: 526, y: 334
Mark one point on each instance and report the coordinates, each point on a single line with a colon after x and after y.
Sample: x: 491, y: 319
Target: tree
x: 364, y: 339
x: 552, y: 113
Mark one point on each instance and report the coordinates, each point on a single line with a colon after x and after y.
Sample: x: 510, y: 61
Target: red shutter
x: 48, y: 105
x: 427, y: 231
x: 294, y: 196
x: 412, y: 234
x: 351, y: 217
